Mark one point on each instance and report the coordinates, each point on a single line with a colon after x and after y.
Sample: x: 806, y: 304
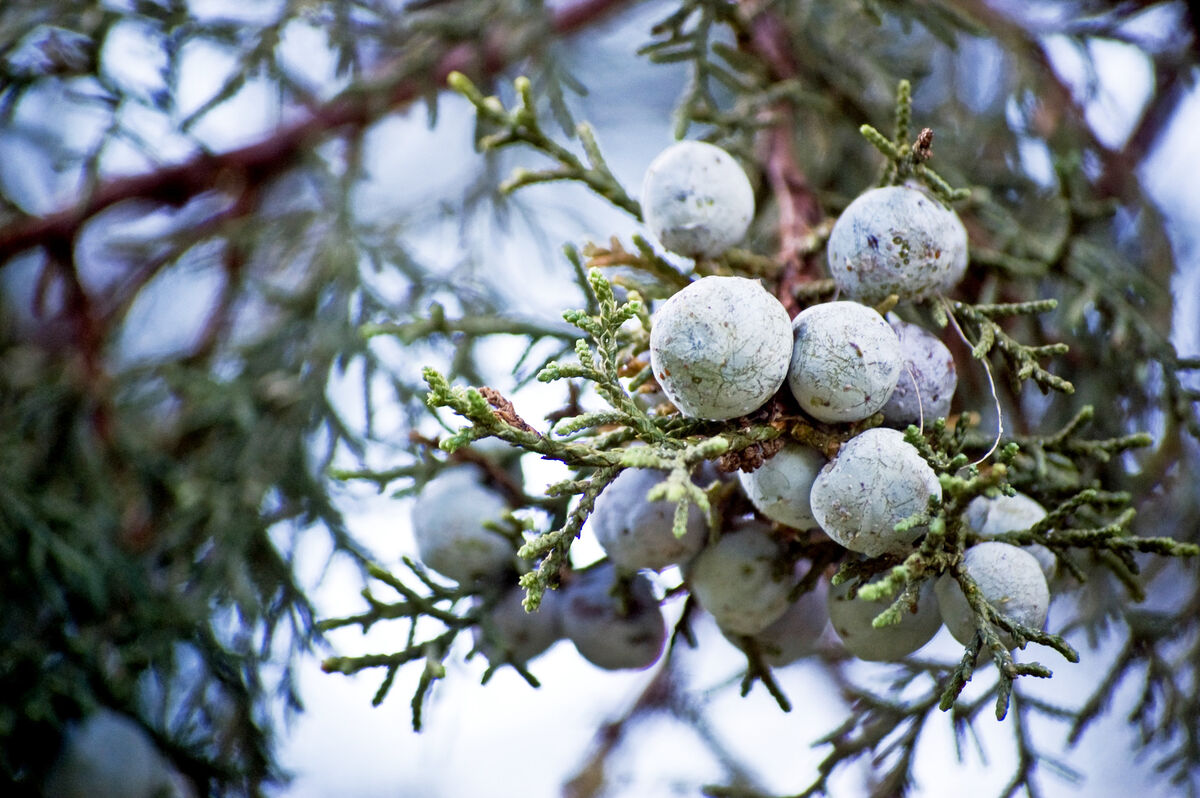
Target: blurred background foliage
x: 196, y: 221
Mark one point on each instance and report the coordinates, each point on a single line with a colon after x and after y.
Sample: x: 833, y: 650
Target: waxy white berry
x: 779, y: 488
x: 448, y: 520
x: 1011, y: 580
x: 696, y: 199
x: 795, y: 634
x: 845, y: 361
x: 877, y: 480
x: 991, y: 516
x: 852, y: 619
x: 896, y: 240
x: 927, y: 381
x: 610, y: 631
x: 739, y: 580
x: 636, y: 533
x: 720, y: 347
x: 110, y: 756
x: 510, y: 634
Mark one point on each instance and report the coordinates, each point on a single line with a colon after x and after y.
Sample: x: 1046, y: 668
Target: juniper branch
x: 757, y: 670
x: 989, y: 623
x: 553, y: 548
x: 359, y: 105
x: 908, y: 159
x: 687, y: 35
x: 520, y: 125
x: 1022, y: 360
x: 436, y: 323
x: 645, y: 259
x: 604, y: 367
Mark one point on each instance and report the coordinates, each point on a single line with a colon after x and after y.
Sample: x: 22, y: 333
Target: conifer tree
x: 220, y: 322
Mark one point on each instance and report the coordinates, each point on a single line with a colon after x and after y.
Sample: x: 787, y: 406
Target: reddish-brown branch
x: 117, y: 301
x: 175, y: 185
x: 798, y: 212
x: 799, y: 209
x: 80, y: 313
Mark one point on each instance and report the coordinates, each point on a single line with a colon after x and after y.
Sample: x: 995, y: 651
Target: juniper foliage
x: 156, y: 485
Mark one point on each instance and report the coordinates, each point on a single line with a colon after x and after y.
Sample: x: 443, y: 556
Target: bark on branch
x: 799, y: 209
x: 255, y: 163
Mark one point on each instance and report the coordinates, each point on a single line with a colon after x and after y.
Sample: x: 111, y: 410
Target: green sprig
x: 413, y: 606
x: 907, y: 159
x: 686, y: 35
x: 644, y: 259
x: 679, y: 488
x: 1021, y: 360
x: 603, y: 365
x: 989, y: 623
x: 521, y: 125
x: 552, y: 549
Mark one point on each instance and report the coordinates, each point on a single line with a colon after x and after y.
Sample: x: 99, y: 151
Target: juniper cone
x: 737, y: 580
x: 696, y: 200
x: 720, y: 347
x: 638, y: 533
x: 853, y: 619
x: 846, y: 361
x: 1009, y: 578
x: 863, y: 497
x: 897, y: 240
x: 928, y: 378
x: 996, y: 515
x: 780, y: 488
x: 449, y: 523
x: 614, y: 626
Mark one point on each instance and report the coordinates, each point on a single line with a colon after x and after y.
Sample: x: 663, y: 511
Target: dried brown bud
x: 923, y: 146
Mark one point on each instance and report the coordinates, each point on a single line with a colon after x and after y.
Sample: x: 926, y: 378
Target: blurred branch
x: 590, y: 779
x: 1119, y: 176
x: 662, y: 693
x: 353, y: 109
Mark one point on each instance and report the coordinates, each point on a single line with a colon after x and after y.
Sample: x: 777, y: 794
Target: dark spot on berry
x: 873, y: 242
